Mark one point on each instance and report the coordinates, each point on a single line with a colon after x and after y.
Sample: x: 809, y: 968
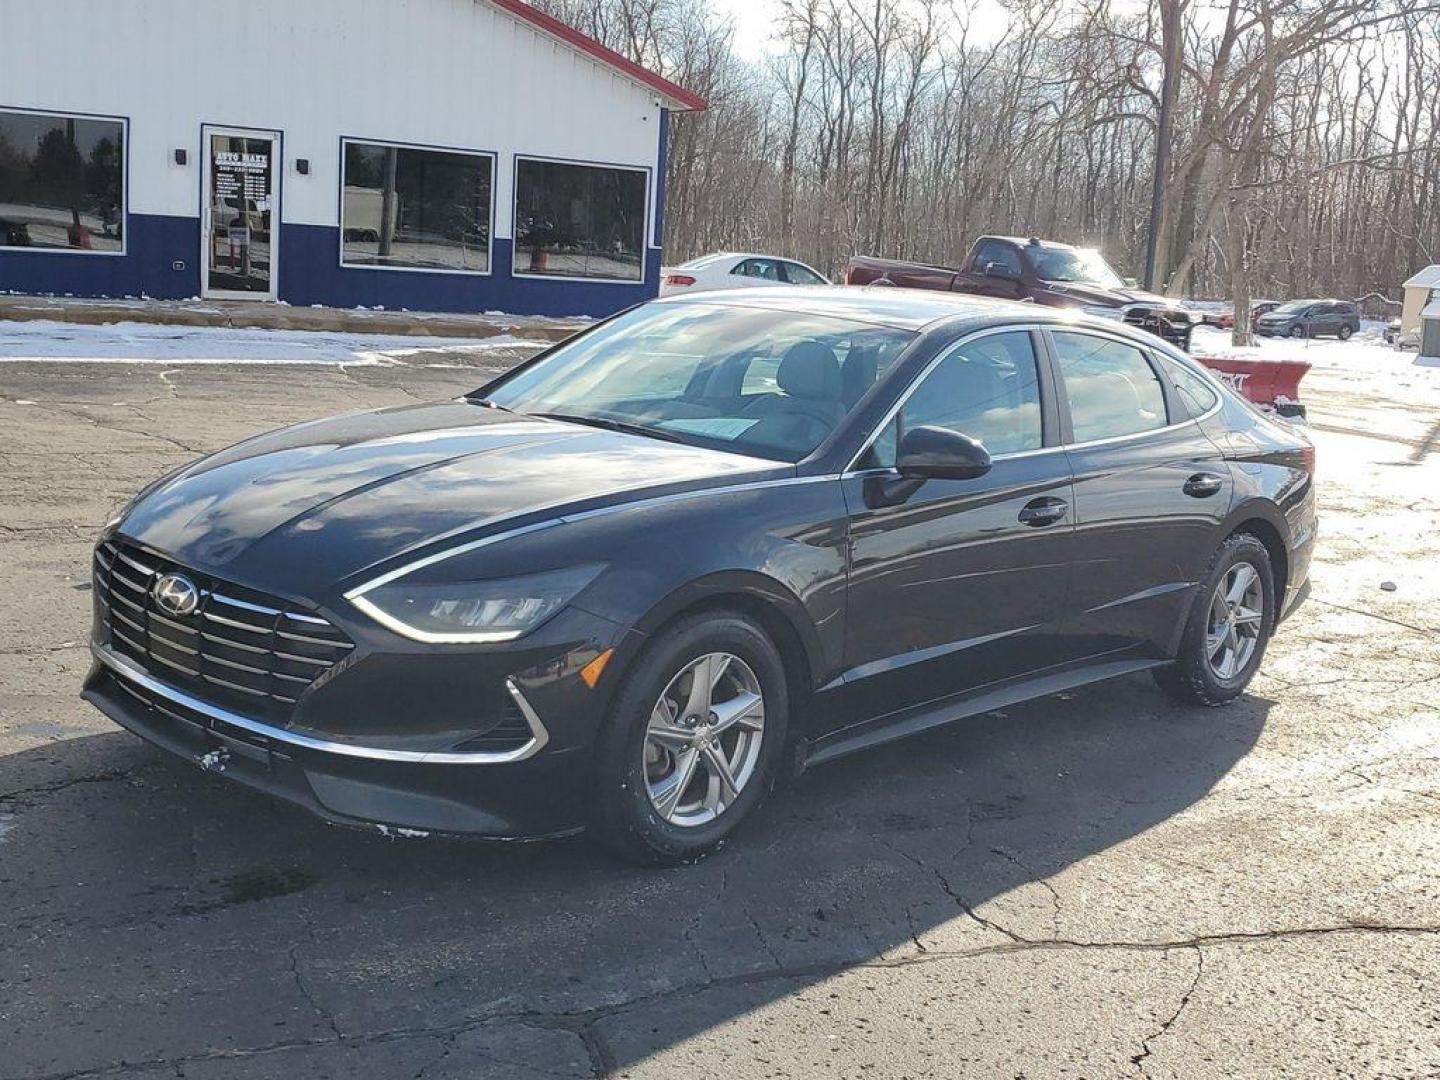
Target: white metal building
x: 1418, y: 293
x: 463, y: 155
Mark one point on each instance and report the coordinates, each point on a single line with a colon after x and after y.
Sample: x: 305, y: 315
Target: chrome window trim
x: 540, y: 736
x: 1210, y: 380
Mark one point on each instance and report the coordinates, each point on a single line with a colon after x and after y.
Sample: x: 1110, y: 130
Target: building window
x: 579, y: 221
x: 62, y: 182
x: 412, y: 208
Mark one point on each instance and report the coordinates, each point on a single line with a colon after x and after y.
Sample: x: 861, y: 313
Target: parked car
x: 1226, y: 320
x: 731, y: 270
x: 630, y: 583
x: 1045, y: 272
x: 1310, y: 318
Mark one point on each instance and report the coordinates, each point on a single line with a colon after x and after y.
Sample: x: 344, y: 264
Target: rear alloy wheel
x: 1228, y: 627
x: 694, y: 740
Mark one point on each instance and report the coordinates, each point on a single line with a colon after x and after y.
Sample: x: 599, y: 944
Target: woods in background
x: 1298, y: 138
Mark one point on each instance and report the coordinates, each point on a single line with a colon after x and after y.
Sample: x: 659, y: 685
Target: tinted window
x: 802, y: 275
x: 1111, y: 387
x: 1197, y: 395
x: 406, y: 207
x: 765, y: 269
x: 579, y: 220
x: 62, y: 182
x: 675, y: 369
x: 987, y: 389
x: 996, y: 251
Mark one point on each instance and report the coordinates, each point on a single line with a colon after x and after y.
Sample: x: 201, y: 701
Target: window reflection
x: 407, y: 207
x: 579, y: 220
x: 62, y: 182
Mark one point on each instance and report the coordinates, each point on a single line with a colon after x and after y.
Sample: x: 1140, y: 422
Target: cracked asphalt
x: 1100, y: 884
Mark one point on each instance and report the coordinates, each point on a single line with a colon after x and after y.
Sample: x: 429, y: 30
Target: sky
x: 753, y: 20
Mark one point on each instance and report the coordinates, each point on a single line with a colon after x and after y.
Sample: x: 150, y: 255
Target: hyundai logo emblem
x: 175, y: 594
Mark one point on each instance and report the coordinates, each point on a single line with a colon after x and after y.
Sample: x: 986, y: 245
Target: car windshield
x: 766, y: 383
x: 1294, y: 307
x: 700, y: 262
x: 1066, y: 264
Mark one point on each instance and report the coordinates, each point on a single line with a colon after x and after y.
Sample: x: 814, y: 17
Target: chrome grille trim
x: 233, y: 658
x: 127, y: 670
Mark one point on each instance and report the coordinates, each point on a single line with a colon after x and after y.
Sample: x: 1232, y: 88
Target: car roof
x: 1024, y: 241
x: 900, y: 309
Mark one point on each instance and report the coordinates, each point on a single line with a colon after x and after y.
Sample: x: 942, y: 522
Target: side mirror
x: 928, y: 453
x: 1132, y: 283
x: 1001, y: 271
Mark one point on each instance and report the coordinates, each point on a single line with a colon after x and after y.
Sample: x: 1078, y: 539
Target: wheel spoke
x: 745, y: 709
x: 1242, y: 577
x: 664, y: 730
x: 702, y: 682
x: 668, y: 797
x: 719, y: 767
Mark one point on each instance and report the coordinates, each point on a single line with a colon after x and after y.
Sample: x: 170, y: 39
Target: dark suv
x: 1310, y: 318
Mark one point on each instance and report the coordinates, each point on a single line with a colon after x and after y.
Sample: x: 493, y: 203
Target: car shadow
x: 195, y: 917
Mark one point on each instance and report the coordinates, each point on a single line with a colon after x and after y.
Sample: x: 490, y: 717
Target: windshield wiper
x: 613, y: 425
x: 486, y: 403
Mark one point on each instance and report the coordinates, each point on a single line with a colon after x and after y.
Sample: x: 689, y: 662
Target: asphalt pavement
x: 1100, y: 884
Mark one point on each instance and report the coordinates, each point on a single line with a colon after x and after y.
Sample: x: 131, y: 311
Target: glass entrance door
x: 241, y: 217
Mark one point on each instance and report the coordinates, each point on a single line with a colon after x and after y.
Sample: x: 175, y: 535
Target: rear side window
x: 988, y: 389
x: 1197, y: 395
x: 1111, y: 387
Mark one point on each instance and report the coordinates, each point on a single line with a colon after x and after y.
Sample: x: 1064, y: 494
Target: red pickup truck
x: 1043, y: 272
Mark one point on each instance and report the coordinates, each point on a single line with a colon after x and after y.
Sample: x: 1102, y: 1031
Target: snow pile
x: 128, y: 343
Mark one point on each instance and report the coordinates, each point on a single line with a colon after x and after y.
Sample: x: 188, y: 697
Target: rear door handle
x: 1202, y: 485
x: 1046, y: 510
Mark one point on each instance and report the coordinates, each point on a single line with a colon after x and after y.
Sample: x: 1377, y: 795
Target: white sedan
x: 732, y: 270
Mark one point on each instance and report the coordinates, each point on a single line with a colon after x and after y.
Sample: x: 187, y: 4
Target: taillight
x: 679, y: 279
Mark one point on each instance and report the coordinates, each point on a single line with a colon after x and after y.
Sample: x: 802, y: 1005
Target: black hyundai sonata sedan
x: 633, y: 582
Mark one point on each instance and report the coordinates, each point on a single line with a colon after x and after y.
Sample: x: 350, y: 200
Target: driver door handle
x: 1202, y: 485
x: 1046, y: 510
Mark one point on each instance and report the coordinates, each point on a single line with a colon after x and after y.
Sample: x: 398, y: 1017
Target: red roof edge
x: 588, y: 45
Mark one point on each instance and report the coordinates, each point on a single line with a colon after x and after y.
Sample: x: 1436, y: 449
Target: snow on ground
x: 150, y: 343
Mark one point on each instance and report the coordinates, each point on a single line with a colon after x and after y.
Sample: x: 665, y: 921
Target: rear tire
x: 657, y: 740
x: 1225, y: 634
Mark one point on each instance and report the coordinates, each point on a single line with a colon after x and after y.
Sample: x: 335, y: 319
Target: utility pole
x: 1172, y: 44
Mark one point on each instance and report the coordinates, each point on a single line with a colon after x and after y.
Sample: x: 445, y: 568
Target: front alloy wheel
x: 704, y: 739
x: 693, y: 739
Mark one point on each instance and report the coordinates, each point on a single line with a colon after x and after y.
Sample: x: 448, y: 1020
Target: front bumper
x: 520, y: 795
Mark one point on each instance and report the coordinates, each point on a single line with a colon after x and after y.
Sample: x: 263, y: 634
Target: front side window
x: 764, y: 269
x: 988, y: 389
x: 764, y: 383
x: 1111, y: 387
x: 802, y: 275
x: 62, y: 182
x: 413, y: 208
x: 1000, y: 253
x: 579, y: 221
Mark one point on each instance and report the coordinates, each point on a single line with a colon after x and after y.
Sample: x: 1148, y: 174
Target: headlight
x: 473, y: 611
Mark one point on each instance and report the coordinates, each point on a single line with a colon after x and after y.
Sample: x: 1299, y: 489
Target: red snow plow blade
x: 1271, y: 384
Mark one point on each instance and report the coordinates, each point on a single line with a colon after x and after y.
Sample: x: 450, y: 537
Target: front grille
x: 240, y: 648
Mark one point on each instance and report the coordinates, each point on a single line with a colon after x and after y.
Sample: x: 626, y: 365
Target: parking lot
x: 1100, y: 884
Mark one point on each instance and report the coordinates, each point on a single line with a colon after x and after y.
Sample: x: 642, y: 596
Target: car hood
x: 1083, y: 293
x: 306, y: 507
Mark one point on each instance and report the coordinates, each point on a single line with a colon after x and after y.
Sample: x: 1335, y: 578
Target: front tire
x: 693, y: 742
x: 1298, y: 331
x: 1344, y: 332
x: 1230, y: 623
